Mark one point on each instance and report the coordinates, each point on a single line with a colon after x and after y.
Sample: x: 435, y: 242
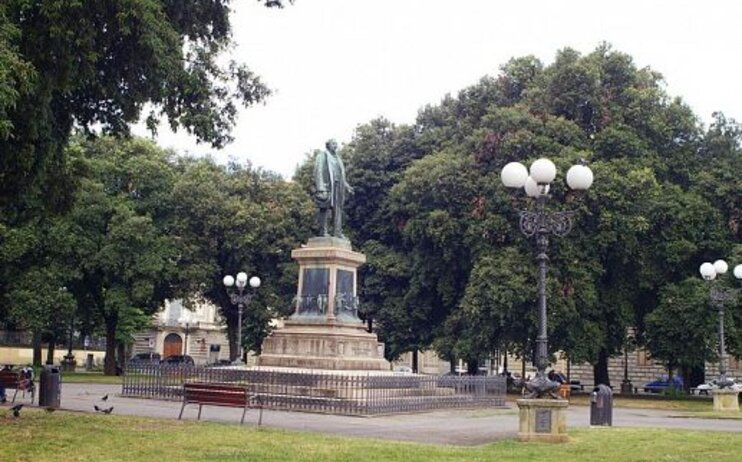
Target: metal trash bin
x: 601, y: 406
x: 50, y: 387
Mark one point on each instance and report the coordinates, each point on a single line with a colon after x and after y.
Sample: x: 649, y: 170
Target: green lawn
x: 647, y: 403
x: 90, y: 377
x: 39, y: 436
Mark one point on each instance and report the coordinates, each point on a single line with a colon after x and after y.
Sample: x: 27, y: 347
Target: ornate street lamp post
x: 719, y: 297
x: 541, y: 224
x: 626, y: 386
x: 185, y: 320
x: 240, y: 298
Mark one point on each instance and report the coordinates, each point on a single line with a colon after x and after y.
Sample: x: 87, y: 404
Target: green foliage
x: 231, y: 219
x: 93, y: 66
x: 119, y: 225
x: 663, y: 200
x: 16, y: 74
x: 680, y: 332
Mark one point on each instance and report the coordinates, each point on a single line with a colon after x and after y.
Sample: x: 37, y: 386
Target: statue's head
x: 331, y: 145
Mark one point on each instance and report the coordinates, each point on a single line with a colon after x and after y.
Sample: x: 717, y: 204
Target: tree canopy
x: 448, y: 267
x: 95, y: 65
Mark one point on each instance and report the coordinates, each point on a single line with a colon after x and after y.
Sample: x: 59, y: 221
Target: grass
x: 70, y: 437
x: 712, y: 415
x: 90, y: 377
x: 685, y: 405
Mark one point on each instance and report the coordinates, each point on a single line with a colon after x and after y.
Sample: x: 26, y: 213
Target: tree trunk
x: 37, y: 349
x: 121, y: 353
x: 697, y: 376
x: 685, y: 375
x: 233, y: 348
x: 569, y: 366
x: 109, y: 364
x: 505, y: 363
x: 600, y: 369
x: 50, y: 351
x: 472, y: 367
x: 414, y: 361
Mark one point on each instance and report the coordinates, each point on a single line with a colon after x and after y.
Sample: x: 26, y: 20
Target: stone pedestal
x: 543, y: 420
x: 726, y: 399
x: 627, y: 388
x: 68, y: 363
x: 325, y: 332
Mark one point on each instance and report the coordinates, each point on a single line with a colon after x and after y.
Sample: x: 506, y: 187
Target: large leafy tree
x: 438, y: 206
x: 236, y: 218
x: 95, y: 64
x: 120, y: 223
x: 680, y: 332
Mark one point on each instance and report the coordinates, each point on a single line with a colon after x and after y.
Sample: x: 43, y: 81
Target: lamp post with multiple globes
x: 241, y: 299
x: 542, y: 223
x: 719, y: 297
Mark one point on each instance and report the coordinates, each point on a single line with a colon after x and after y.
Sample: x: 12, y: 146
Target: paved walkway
x: 459, y: 427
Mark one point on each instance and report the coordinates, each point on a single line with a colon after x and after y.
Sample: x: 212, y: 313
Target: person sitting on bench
x: 3, y: 397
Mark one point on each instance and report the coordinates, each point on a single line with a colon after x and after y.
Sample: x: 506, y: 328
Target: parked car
x: 705, y: 388
x: 663, y: 384
x: 173, y: 360
x: 403, y: 369
x: 145, y: 358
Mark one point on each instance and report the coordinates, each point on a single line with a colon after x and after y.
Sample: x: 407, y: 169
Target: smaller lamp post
x: 240, y: 298
x: 626, y: 386
x: 185, y: 319
x: 719, y: 296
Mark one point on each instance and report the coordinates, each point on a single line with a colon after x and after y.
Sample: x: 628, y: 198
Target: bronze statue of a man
x: 330, y: 189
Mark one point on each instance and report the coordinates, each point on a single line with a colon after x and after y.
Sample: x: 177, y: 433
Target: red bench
x: 12, y: 379
x: 220, y: 394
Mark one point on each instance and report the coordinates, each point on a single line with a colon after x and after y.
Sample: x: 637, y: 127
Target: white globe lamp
x: 514, y: 175
x: 543, y: 171
x: 707, y: 271
x: 579, y: 177
x: 720, y: 266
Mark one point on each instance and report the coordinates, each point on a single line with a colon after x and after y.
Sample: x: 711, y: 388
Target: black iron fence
x: 352, y: 393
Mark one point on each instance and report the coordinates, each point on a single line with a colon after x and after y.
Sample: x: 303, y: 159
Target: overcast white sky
x: 335, y: 64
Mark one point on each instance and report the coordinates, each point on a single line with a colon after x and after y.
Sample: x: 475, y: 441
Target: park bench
x: 15, y: 380
x: 220, y: 394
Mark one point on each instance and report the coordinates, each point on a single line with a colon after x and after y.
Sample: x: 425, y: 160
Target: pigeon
x: 104, y: 398
x: 105, y: 411
x: 16, y: 410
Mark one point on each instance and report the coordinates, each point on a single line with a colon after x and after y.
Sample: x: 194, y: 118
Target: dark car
x: 145, y: 358
x: 184, y: 360
x: 663, y: 384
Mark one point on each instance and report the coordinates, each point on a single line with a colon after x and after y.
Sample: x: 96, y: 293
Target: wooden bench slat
x: 237, y: 401
x: 218, y: 394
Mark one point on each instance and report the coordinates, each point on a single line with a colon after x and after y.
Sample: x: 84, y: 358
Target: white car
x: 705, y: 388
